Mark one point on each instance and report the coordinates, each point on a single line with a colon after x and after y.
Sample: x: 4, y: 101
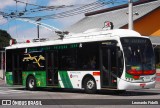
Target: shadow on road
x: 129, y: 93
x: 101, y: 92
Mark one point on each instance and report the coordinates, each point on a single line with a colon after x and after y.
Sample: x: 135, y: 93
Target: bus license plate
x: 142, y: 85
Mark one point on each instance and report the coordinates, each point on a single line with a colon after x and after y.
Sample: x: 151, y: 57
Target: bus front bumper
x: 125, y: 85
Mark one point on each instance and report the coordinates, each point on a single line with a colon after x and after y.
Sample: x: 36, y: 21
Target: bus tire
x: 121, y: 91
x: 31, y: 83
x: 90, y: 85
x: 118, y: 92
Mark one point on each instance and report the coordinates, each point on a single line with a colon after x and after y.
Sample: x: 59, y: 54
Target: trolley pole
x: 130, y: 6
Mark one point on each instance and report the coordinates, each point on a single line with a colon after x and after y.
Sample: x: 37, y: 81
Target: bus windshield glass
x: 139, y: 56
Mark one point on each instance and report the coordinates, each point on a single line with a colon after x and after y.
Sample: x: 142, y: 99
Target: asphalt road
x: 72, y: 97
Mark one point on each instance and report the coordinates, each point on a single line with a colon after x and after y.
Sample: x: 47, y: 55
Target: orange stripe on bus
x: 96, y: 73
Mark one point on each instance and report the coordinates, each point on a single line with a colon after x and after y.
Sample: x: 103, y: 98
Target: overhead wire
x: 40, y: 8
x: 34, y: 10
x: 28, y: 3
x: 76, y: 11
x: 80, y: 10
x: 16, y: 21
x: 72, y: 12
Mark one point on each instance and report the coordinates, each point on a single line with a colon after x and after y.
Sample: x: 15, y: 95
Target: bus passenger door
x: 16, y: 69
x: 108, y: 61
x: 51, y: 68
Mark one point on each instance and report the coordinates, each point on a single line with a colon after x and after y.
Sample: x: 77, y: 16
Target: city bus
x: 118, y: 59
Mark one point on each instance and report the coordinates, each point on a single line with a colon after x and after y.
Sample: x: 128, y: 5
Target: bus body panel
x: 125, y: 85
x: 73, y: 79
x: 9, y: 78
x: 39, y: 75
x: 137, y: 78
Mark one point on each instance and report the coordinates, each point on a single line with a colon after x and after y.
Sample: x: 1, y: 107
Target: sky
x: 22, y: 30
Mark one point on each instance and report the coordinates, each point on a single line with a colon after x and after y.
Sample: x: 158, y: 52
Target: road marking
x: 15, y: 91
x: 11, y: 87
x: 1, y: 92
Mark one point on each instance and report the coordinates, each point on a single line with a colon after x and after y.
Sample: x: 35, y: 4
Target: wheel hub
x: 31, y: 83
x: 90, y: 84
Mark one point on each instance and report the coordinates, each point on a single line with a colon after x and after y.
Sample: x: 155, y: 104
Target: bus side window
x: 88, y: 57
x: 33, y: 64
x: 67, y: 59
x: 92, y: 63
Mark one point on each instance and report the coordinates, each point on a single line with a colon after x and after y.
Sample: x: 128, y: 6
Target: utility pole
x: 39, y: 19
x: 38, y: 30
x: 130, y: 6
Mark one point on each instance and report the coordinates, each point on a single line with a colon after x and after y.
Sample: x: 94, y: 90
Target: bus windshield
x: 139, y: 56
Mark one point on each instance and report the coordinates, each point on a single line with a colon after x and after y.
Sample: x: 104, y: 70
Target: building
x: 146, y: 21
x: 146, y: 13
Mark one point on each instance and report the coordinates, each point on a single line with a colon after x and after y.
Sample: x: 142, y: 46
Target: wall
x: 148, y: 25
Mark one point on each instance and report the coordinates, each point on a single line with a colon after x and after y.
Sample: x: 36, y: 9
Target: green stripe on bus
x: 59, y: 85
x: 9, y: 78
x: 39, y: 75
x: 65, y: 79
x: 128, y: 75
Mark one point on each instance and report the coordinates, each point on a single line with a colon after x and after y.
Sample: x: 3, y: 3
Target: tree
x: 4, y: 38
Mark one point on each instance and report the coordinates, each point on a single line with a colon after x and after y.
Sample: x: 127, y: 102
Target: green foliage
x: 4, y: 38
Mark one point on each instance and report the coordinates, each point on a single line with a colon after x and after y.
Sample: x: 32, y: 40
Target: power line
x: 80, y: 10
x: 74, y: 13
x: 18, y: 14
x: 38, y: 9
x: 28, y: 3
x: 33, y: 10
x: 40, y: 6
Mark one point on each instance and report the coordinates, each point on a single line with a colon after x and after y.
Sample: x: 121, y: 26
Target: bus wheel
x: 31, y: 83
x: 118, y: 92
x: 90, y: 85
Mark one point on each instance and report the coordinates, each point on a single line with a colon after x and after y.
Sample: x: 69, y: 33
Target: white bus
x: 94, y: 60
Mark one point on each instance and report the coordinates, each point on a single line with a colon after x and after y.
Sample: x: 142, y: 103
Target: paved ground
x: 20, y: 93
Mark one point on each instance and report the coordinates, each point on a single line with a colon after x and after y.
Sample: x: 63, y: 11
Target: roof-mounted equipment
x: 40, y: 39
x: 61, y: 34
x: 108, y: 25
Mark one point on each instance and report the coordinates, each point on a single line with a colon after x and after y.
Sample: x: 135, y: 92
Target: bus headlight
x: 129, y: 79
x: 153, y: 79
